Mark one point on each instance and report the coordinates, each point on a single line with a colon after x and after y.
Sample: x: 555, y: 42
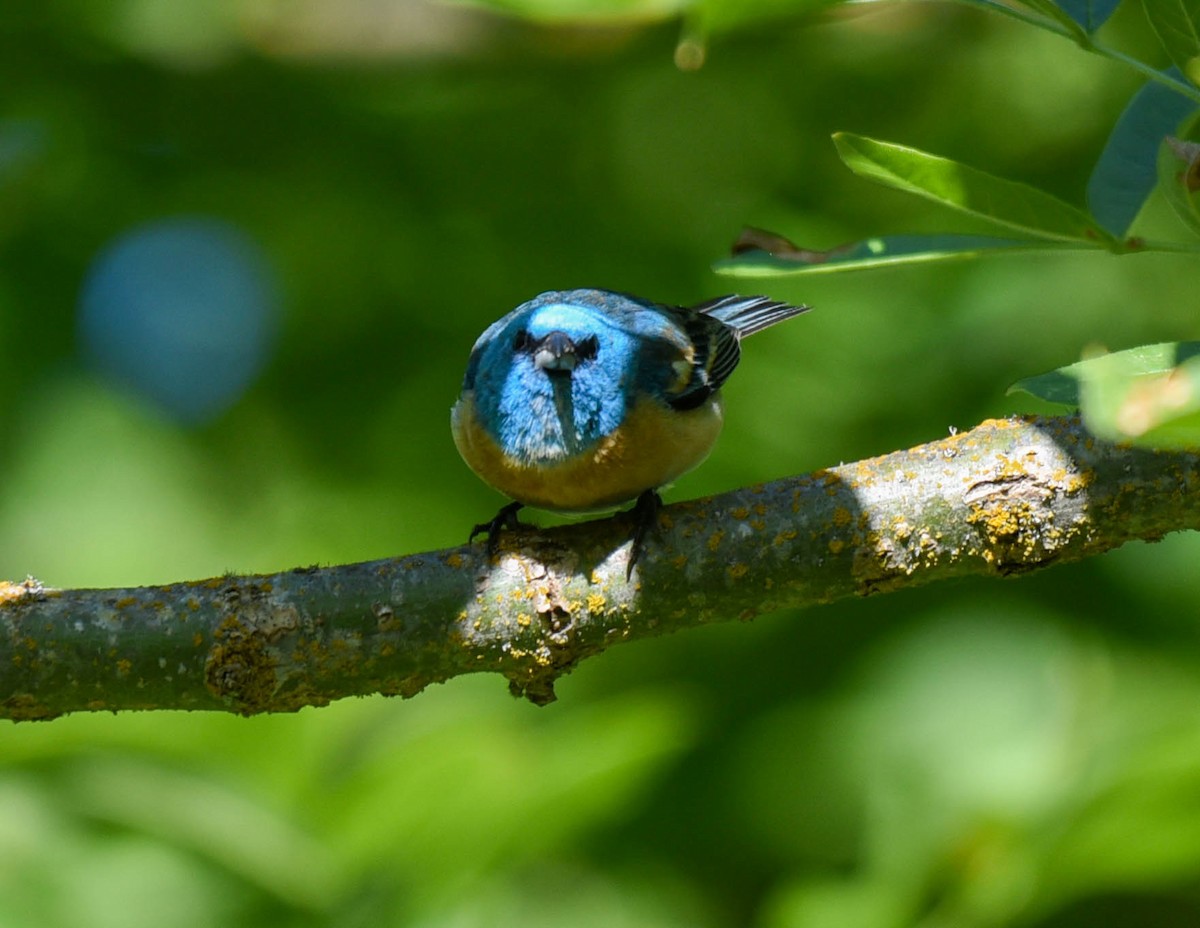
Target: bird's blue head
x: 552, y: 377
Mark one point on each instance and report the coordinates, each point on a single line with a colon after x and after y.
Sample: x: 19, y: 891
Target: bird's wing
x: 714, y: 330
x: 710, y: 356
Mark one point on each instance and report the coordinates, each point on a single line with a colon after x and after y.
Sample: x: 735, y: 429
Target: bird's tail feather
x: 749, y: 314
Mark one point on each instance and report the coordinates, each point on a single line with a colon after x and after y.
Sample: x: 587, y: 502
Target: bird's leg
x: 645, y: 518
x: 506, y: 518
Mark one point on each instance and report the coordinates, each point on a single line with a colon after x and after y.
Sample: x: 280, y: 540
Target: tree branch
x: 1007, y: 497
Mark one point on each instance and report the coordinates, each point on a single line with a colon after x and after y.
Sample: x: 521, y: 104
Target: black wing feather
x: 715, y: 329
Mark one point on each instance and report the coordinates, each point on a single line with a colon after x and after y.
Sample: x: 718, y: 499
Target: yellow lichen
x: 14, y: 592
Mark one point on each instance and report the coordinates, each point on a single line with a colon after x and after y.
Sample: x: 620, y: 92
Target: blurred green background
x: 336, y: 198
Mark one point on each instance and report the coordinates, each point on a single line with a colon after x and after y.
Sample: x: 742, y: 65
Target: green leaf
x: 1058, y: 386
x: 1148, y: 395
x: 1062, y: 385
x: 1007, y: 204
x: 1179, y: 176
x: 1177, y: 25
x: 1128, y: 168
x: 1159, y: 410
x: 1068, y: 16
x: 1053, y: 11
x: 883, y: 251
x: 1090, y: 14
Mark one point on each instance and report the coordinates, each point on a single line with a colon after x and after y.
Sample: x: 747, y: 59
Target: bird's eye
x: 522, y: 342
x: 586, y: 349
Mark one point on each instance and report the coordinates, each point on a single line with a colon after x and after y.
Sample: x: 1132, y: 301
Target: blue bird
x: 582, y: 400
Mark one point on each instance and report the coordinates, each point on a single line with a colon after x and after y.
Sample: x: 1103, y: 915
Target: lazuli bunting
x: 581, y: 400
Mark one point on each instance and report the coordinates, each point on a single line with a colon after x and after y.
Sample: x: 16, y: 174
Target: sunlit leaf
x: 1127, y: 170
x: 777, y: 257
x: 1177, y: 25
x: 1149, y: 395
x: 1008, y: 204
x: 1179, y: 175
x: 1158, y: 410
x: 1062, y: 385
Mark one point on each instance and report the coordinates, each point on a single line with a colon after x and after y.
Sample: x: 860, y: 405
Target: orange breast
x: 654, y: 446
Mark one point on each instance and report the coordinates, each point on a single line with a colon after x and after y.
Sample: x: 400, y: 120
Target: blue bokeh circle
x: 182, y: 311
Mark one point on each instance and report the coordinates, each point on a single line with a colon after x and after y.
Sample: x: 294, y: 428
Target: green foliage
x: 1147, y: 396
x: 1019, y: 754
x: 886, y: 251
x: 1177, y: 25
x: 1177, y: 173
x: 1013, y: 207
x: 1140, y: 156
x: 1128, y: 170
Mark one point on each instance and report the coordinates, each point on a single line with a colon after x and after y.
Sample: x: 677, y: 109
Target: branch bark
x: 1006, y: 497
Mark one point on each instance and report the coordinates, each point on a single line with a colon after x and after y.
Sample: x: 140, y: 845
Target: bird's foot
x: 506, y: 518
x: 645, y: 518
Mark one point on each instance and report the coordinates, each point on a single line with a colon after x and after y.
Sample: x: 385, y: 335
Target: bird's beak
x: 556, y: 352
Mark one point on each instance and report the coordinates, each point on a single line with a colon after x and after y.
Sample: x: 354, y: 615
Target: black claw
x: 645, y: 518
x: 506, y: 518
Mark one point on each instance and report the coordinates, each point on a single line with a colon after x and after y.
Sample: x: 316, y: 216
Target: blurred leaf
x: 1158, y: 410
x: 1177, y: 25
x: 1179, y: 175
x: 1148, y: 395
x: 192, y: 811
x: 714, y: 16
x: 1127, y: 170
x: 613, y: 12
x: 1063, y: 385
x: 883, y: 251
x: 706, y: 18
x: 1142, y: 831
x: 589, y: 763
x: 1008, y: 204
x: 555, y: 893
x: 834, y: 903
x: 1090, y: 14
x: 1068, y: 20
